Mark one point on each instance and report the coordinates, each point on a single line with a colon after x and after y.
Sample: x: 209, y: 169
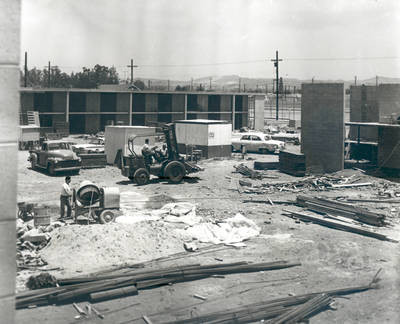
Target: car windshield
x: 267, y: 138
x: 58, y: 146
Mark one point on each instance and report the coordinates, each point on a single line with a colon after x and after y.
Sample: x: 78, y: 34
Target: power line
x: 255, y: 61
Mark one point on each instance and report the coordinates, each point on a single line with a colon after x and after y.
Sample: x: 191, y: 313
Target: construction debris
x: 323, y: 205
x: 247, y: 172
x: 292, y: 309
x: 110, y: 285
x: 337, y: 224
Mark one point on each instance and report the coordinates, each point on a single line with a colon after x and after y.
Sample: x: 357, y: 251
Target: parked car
x: 287, y: 137
x: 257, y: 142
x: 55, y: 156
x: 95, y: 145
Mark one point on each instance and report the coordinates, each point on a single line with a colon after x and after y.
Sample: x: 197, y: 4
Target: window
x: 267, y: 138
x: 245, y: 137
x: 255, y: 138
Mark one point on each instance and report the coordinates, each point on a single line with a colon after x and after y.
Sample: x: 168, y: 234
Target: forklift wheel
x: 141, y: 176
x: 106, y: 216
x: 175, y: 171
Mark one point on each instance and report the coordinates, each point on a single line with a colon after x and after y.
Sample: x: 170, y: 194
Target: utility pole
x: 132, y: 66
x: 276, y: 64
x: 26, y: 70
x: 355, y: 80
x: 239, y: 83
x: 244, y: 87
x: 191, y: 84
x: 210, y: 83
x: 148, y: 84
x: 168, y: 85
x: 376, y: 81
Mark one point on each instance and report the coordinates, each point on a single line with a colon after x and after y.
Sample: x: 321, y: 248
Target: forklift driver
x: 147, y: 152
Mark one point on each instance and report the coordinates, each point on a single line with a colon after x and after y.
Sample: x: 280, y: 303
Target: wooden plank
x: 340, y: 226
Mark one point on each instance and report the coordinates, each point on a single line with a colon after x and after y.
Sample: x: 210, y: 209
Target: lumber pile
x: 262, y: 165
x: 292, y: 309
x: 337, y: 224
x: 326, y: 206
x: 107, y: 286
x: 292, y: 163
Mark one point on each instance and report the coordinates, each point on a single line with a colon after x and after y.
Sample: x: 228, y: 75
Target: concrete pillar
x: 9, y: 103
x: 185, y: 109
x: 67, y: 108
x: 130, y: 108
x: 233, y: 111
x: 322, y: 126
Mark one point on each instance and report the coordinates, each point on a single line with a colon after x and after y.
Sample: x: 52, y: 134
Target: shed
x: 212, y: 137
x: 116, y: 138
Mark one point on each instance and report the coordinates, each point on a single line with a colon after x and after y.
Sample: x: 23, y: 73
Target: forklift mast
x: 170, y: 139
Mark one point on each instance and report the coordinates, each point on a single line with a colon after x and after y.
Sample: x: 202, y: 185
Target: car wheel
x: 106, y: 216
x: 50, y: 169
x: 175, y: 171
x: 141, y: 176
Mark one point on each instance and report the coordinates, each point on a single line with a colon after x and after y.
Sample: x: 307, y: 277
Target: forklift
x: 172, y: 166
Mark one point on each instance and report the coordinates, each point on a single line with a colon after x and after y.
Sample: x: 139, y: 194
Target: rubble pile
x: 30, y: 240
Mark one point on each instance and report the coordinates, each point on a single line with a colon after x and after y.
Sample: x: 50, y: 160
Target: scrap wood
x: 348, y: 185
x: 142, y: 280
x: 269, y: 201
x: 319, y: 204
x: 301, y: 312
x: 78, y: 309
x: 266, y: 310
x: 97, y: 312
x: 383, y: 201
x: 147, y: 320
x: 338, y: 225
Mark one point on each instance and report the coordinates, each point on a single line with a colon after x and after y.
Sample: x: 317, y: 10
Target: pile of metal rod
x: 103, y: 287
x: 292, y: 309
x: 323, y: 205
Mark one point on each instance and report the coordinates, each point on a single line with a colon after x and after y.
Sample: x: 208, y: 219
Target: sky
x: 183, y: 39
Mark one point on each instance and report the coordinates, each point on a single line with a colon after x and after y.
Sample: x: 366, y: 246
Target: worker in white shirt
x: 65, y: 197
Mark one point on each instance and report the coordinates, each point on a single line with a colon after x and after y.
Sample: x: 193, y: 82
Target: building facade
x: 80, y: 111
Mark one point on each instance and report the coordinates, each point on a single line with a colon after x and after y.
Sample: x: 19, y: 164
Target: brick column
x: 9, y: 103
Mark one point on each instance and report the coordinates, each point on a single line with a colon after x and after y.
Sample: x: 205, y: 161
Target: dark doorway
x: 77, y: 124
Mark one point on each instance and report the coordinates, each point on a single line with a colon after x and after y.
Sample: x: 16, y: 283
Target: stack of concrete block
x: 322, y: 125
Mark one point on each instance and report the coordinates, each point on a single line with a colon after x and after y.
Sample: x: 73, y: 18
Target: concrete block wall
x: 322, y: 126
x: 389, y: 147
x: 178, y: 105
x: 9, y: 103
x: 123, y: 101
x: 364, y: 108
x: 388, y: 102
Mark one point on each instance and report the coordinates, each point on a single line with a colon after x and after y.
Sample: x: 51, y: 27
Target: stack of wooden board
x: 292, y: 163
x: 327, y: 206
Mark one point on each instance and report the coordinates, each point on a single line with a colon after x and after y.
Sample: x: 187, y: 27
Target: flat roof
x: 202, y: 121
x: 209, y: 93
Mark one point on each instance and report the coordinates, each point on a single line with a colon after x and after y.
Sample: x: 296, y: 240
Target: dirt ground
x: 330, y: 259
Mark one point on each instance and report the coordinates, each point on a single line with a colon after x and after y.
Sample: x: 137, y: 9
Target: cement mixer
x: 94, y: 204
